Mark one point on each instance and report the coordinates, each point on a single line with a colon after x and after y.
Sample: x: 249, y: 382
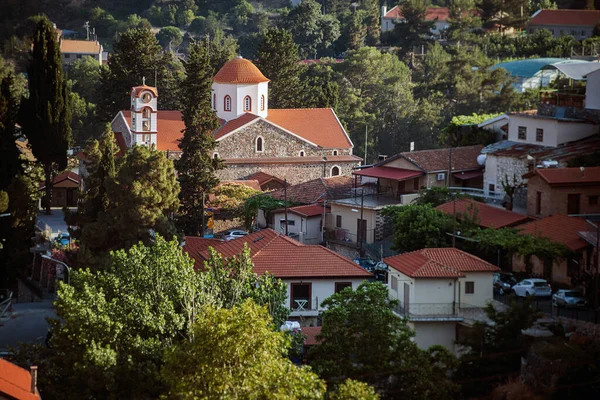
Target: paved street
x: 26, y: 323
x: 56, y: 221
x: 545, y: 305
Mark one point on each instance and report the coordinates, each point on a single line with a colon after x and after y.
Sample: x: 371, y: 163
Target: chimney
x: 383, y: 11
x: 33, y: 371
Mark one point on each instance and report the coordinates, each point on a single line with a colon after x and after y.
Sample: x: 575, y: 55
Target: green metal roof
x: 527, y: 68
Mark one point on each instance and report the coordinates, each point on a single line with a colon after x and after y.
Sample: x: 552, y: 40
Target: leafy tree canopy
x: 231, y: 198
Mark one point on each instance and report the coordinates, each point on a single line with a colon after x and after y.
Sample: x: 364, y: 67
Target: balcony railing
x: 435, y: 311
x: 305, y: 305
x: 563, y: 99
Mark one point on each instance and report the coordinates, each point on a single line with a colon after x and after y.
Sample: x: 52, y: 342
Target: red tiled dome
x: 239, y: 70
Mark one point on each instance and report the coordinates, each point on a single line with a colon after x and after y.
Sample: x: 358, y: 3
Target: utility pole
x: 454, y: 223
x: 449, y: 167
x: 286, y: 205
x: 203, y: 212
x: 366, y: 143
x: 362, y: 221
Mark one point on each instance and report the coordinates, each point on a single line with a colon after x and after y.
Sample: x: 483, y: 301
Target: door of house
x: 70, y: 198
x: 361, y: 230
x: 573, y: 201
x: 300, y: 299
x: 406, y: 297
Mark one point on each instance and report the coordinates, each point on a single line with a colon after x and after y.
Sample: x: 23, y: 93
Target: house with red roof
x: 439, y: 288
x: 577, y: 23
x: 440, y: 16
x: 292, y: 144
x: 304, y: 223
x: 312, y: 273
x: 65, y: 190
x: 484, y: 215
x: 568, y: 231
x: 17, y: 383
x: 563, y: 191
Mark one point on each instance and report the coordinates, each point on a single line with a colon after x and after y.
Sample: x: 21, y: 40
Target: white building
x: 311, y: 273
x: 577, y: 23
x: 438, y: 289
x: 304, y: 223
x: 438, y: 15
x: 73, y: 50
x: 592, y: 90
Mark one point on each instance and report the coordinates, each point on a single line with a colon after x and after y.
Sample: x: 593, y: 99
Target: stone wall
x: 293, y: 172
x: 276, y: 143
x: 588, y: 329
x: 119, y: 125
x: 510, y: 167
x: 554, y: 200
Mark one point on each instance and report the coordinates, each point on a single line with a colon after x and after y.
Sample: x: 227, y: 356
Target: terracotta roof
x: 137, y: 90
x: 317, y: 125
x: 195, y: 245
x: 286, y: 258
x: 80, y: 46
x: 438, y: 263
x: 568, y: 176
x: 120, y: 144
x: 67, y: 175
x: 399, y: 174
x: 239, y: 70
x: 559, y: 228
x: 263, y: 178
x: 311, y: 210
x: 234, y: 124
x: 489, y: 216
x: 251, y: 183
x: 463, y: 158
x: 15, y: 382
x: 311, y: 332
x: 331, y: 160
x: 566, y: 17
x: 319, y: 189
x: 432, y: 13
x: 170, y: 127
x: 560, y: 153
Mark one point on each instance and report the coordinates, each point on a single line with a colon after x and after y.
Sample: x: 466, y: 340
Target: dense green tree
x: 10, y: 163
x: 419, y: 226
x: 137, y: 54
x: 277, y: 58
x: 373, y: 21
x: 230, y: 198
x: 414, y: 31
x: 311, y: 29
x: 170, y: 38
x: 236, y: 355
x: 85, y: 74
x: 464, y: 21
x: 463, y: 131
x: 354, y: 390
x: 434, y: 196
x: 197, y: 165
x: 322, y: 88
x: 363, y: 339
x: 46, y: 114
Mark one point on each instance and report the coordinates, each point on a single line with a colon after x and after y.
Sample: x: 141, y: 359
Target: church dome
x: 239, y: 70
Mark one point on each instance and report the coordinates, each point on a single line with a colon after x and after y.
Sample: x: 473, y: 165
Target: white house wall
x: 428, y: 334
x: 592, y: 91
x: 483, y: 289
x: 350, y: 218
x: 434, y: 291
x: 555, y: 132
x: 307, y: 229
x: 321, y: 288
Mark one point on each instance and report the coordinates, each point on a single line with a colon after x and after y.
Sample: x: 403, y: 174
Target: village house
x: 65, y: 190
x: 577, y: 23
x: 291, y: 144
x: 440, y: 16
x: 438, y: 289
x: 17, y: 383
x: 569, y: 270
x: 304, y: 223
x: 267, y: 182
x: 73, y: 50
x: 311, y: 273
x: 397, y: 181
x: 563, y: 191
x: 483, y: 215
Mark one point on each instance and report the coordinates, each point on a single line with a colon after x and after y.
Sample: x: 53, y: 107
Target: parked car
x: 568, y: 298
x: 62, y: 239
x: 234, y: 234
x: 503, y: 282
x: 533, y: 287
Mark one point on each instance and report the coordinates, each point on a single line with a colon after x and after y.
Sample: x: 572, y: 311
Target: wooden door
x: 573, y: 201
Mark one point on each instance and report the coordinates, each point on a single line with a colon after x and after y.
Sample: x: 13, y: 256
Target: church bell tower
x: 144, y: 114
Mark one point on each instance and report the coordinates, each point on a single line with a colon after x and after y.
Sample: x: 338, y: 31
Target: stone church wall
x: 119, y: 125
x: 294, y: 173
x: 276, y: 143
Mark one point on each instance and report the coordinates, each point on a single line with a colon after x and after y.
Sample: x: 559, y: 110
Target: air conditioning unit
x: 441, y: 176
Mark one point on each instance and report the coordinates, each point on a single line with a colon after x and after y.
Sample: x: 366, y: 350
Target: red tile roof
x: 438, y: 263
x: 463, y: 159
x: 566, y: 17
x: 317, y: 125
x: 137, y: 90
x: 195, y: 245
x: 399, y: 174
x: 568, y: 176
x: 311, y: 332
x: 80, y: 47
x: 311, y: 210
x: 319, y: 189
x: 559, y: 228
x: 239, y: 70
x: 169, y: 126
x: 15, y: 382
x: 263, y: 178
x: 234, y: 124
x: 489, y: 216
x: 286, y: 258
x: 432, y: 13
x: 251, y: 183
x: 120, y: 144
x: 67, y: 175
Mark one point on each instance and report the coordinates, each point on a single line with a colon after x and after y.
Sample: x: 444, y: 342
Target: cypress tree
x: 277, y: 58
x: 46, y: 114
x: 10, y: 163
x: 197, y: 167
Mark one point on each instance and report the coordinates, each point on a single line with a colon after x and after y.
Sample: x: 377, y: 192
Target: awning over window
x: 467, y: 175
x: 397, y: 174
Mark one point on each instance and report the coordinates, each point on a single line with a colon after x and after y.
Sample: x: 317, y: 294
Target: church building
x: 294, y: 144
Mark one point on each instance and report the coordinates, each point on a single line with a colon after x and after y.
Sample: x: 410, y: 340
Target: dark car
x: 503, y: 282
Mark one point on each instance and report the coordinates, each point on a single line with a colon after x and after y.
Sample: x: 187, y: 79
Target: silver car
x: 533, y: 287
x: 568, y: 298
x: 234, y: 234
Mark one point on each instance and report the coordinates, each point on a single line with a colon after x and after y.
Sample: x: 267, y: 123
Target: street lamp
x: 60, y: 262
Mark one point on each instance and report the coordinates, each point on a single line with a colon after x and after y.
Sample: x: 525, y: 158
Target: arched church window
x: 227, y: 103
x: 146, y: 97
x: 146, y: 126
x: 146, y: 112
x: 247, y: 103
x: 215, y: 155
x: 335, y: 152
x: 259, y: 144
x: 302, y: 153
x: 335, y: 170
x: 262, y: 102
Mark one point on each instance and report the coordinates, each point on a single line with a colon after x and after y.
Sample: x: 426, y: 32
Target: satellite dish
x: 481, y: 159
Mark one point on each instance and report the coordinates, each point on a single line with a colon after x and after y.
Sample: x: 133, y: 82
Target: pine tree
x: 373, y: 21
x: 277, y: 58
x: 197, y: 166
x: 46, y: 114
x: 10, y: 164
